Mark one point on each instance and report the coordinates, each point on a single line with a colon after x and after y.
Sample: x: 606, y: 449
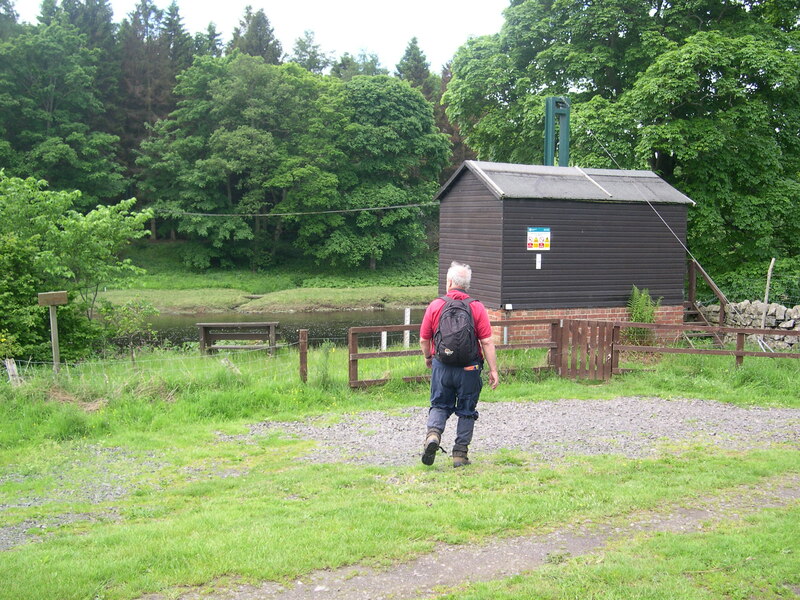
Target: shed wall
x: 471, y: 230
x: 598, y: 251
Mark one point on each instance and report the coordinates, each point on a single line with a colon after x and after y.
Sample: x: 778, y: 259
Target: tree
x: 147, y: 76
x: 255, y: 36
x: 348, y: 66
x: 392, y: 157
x: 178, y: 43
x: 241, y: 141
x: 8, y: 19
x: 44, y: 245
x: 47, y: 101
x: 94, y: 19
x: 308, y: 54
x: 702, y: 93
x: 208, y: 43
x: 414, y: 68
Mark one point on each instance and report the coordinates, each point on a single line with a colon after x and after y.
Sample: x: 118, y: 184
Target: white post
x: 407, y: 333
x: 384, y: 336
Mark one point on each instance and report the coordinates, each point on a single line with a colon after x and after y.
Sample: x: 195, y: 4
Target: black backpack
x: 454, y: 339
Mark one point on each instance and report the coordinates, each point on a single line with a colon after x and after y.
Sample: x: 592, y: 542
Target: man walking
x: 455, y: 338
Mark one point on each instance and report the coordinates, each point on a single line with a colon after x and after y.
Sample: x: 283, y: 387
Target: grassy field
x: 298, y: 285
x: 134, y: 480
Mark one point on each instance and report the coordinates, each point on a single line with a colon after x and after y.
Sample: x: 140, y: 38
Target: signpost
x: 52, y: 300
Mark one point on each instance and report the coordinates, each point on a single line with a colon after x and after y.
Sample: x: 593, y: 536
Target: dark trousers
x: 455, y: 390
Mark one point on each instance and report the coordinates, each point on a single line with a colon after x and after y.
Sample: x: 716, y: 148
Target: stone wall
x: 749, y: 314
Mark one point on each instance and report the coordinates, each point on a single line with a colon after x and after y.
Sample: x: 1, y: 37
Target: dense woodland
x: 250, y: 153
x: 191, y: 126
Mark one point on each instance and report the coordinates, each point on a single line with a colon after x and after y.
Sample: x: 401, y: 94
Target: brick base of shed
x: 520, y: 334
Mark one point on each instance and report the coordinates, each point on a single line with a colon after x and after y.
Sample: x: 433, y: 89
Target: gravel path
x: 632, y: 427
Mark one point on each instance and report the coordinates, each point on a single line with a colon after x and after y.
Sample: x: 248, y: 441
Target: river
x: 322, y: 326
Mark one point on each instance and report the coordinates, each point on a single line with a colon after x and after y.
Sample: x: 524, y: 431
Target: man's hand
x: 490, y: 355
x: 427, y: 348
x: 494, y: 379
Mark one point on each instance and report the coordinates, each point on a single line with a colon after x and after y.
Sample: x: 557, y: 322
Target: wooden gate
x: 585, y: 349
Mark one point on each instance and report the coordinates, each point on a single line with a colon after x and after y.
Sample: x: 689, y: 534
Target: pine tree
x: 147, y: 77
x: 308, y: 54
x: 255, y: 36
x: 8, y: 19
x: 348, y: 66
x: 177, y: 41
x: 208, y: 43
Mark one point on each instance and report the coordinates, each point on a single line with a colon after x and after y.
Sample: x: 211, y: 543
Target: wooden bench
x: 257, y: 331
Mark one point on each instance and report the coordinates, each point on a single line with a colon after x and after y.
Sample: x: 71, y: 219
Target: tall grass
x: 167, y: 388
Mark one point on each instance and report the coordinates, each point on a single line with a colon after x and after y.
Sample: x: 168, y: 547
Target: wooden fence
x: 578, y: 349
x: 720, y: 332
x: 355, y: 355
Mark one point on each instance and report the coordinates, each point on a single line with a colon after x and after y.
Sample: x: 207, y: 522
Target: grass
x: 754, y: 559
x: 297, y: 285
x: 194, y: 507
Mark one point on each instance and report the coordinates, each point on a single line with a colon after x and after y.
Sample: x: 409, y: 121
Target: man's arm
x: 426, y: 347
x: 489, y: 353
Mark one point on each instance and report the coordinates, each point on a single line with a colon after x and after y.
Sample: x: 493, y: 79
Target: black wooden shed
x: 540, y: 237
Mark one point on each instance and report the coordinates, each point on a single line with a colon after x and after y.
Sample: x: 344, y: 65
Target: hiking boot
x: 460, y: 458
x: 431, y: 447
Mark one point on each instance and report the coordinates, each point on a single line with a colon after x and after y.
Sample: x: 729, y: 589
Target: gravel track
x: 631, y: 426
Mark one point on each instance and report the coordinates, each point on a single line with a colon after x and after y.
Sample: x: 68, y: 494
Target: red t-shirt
x: 431, y: 319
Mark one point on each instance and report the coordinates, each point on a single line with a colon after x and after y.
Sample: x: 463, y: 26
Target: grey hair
x: 459, y: 275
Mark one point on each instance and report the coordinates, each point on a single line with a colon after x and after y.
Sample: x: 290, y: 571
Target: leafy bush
x: 641, y: 309
x: 747, y: 282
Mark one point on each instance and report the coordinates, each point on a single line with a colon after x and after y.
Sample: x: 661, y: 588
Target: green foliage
x: 250, y: 139
x: 641, y: 309
x: 44, y: 246
x: 48, y: 102
x: 309, y: 55
x: 255, y: 36
x: 349, y: 66
x: 8, y: 345
x: 706, y: 98
x: 130, y: 322
x: 748, y: 282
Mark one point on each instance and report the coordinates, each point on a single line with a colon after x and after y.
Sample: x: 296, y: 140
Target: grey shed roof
x: 507, y: 180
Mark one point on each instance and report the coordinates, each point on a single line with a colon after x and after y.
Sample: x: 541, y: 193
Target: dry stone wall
x: 749, y: 314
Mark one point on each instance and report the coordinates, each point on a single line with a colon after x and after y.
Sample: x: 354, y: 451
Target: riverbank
x: 216, y: 300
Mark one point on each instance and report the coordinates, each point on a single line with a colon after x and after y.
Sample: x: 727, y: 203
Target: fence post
x: 740, y: 346
x: 615, y: 340
x: 384, y: 339
x: 13, y: 375
x: 407, y: 333
x: 554, y: 358
x: 352, y: 345
x: 303, y: 343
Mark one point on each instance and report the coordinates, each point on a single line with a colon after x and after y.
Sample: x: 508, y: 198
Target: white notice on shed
x: 538, y: 238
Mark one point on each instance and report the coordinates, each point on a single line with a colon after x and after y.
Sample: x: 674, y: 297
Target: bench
x: 220, y: 332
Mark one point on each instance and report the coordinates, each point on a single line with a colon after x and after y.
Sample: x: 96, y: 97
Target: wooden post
x: 407, y: 333
x: 739, y: 347
x: 13, y: 376
x: 52, y: 300
x: 692, y: 284
x: 352, y: 345
x: 272, y: 342
x: 384, y: 339
x: 303, y: 342
x: 615, y: 340
x: 553, y: 358
x: 203, y: 339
